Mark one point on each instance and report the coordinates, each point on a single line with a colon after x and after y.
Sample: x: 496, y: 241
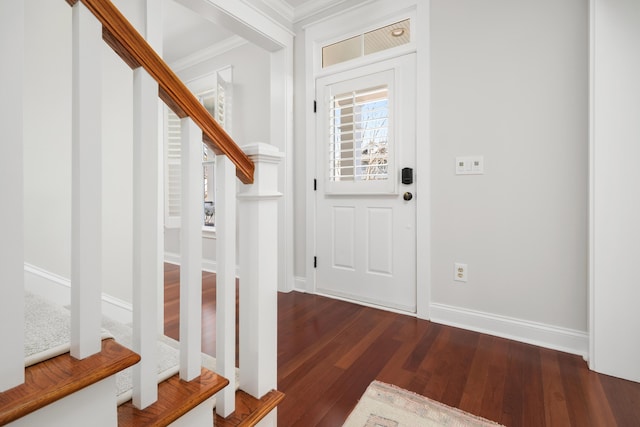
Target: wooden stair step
x: 175, y: 398
x: 249, y: 410
x: 58, y: 377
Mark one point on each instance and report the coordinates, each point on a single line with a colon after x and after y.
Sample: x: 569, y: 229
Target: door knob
x: 407, y: 196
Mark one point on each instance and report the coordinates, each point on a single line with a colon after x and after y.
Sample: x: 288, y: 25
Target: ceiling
x: 186, y: 32
x: 296, y: 3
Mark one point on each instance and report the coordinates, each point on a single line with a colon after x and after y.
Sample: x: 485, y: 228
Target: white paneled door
x: 365, y: 190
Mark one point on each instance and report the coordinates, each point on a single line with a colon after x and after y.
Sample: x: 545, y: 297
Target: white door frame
x: 350, y: 23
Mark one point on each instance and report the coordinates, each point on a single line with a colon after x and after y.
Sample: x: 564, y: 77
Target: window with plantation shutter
x: 215, y: 94
x: 358, y: 133
x: 172, y: 169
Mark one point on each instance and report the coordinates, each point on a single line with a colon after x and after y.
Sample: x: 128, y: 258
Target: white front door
x: 365, y: 214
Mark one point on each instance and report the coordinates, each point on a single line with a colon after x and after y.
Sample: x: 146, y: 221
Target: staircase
x: 79, y: 385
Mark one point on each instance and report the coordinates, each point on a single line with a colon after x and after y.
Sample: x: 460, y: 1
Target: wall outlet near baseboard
x: 460, y: 272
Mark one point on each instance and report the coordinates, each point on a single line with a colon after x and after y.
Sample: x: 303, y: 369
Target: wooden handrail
x: 123, y: 38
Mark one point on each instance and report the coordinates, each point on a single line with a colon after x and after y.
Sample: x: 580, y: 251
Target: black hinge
x: 315, y: 106
x: 315, y: 184
x: 315, y: 262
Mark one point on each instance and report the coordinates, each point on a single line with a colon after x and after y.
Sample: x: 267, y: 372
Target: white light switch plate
x: 470, y: 165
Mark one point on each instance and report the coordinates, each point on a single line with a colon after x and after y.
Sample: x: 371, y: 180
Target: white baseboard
x: 58, y: 289
x: 300, y: 284
x: 207, y: 265
x: 553, y: 337
x: 548, y: 336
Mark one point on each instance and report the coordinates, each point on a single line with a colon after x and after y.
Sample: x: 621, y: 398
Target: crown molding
x: 195, y: 58
x: 311, y: 7
x: 282, y: 8
x: 294, y: 14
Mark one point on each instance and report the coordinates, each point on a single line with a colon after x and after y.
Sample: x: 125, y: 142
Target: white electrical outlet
x: 460, y: 272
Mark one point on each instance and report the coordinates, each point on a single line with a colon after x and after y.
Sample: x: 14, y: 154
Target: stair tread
x: 249, y: 410
x: 175, y: 398
x: 58, y: 377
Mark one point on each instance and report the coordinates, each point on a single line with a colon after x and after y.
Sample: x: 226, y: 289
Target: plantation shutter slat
x: 173, y: 179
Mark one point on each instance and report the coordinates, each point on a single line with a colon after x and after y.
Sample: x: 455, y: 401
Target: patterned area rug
x: 384, y: 405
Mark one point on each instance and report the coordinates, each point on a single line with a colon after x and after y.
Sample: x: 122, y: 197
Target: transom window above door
x: 383, y: 38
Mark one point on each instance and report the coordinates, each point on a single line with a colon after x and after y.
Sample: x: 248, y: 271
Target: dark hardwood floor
x: 329, y: 351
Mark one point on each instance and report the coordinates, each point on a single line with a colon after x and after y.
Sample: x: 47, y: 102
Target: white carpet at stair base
x: 47, y: 330
x: 168, y: 354
x: 48, y: 334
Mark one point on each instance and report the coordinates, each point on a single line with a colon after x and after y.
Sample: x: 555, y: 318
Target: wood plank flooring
x: 329, y: 351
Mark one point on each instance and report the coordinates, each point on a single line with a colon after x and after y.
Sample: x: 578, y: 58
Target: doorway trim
x: 316, y: 36
x: 278, y: 40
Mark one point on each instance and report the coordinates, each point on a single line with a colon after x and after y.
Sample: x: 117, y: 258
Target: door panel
x: 365, y: 230
x: 380, y: 241
x: 343, y: 237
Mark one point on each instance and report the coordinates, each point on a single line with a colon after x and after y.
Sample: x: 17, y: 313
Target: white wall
x: 251, y: 90
x: 117, y: 176
x: 250, y: 112
x: 616, y: 199
x: 48, y: 148
x: 510, y: 82
x: 47, y: 134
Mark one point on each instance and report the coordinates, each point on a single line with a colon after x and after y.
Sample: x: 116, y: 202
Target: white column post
x: 145, y: 236
x: 192, y: 220
x: 86, y: 184
x: 258, y: 230
x: 226, y: 282
x: 11, y: 178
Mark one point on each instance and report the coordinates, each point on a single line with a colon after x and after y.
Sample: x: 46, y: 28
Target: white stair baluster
x: 86, y: 184
x: 192, y: 220
x: 145, y: 236
x: 11, y: 178
x: 225, y: 223
x: 153, y: 35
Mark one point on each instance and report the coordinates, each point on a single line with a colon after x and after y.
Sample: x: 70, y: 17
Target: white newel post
x: 145, y: 236
x: 258, y: 229
x: 191, y: 220
x: 226, y: 282
x: 86, y: 184
x: 11, y: 178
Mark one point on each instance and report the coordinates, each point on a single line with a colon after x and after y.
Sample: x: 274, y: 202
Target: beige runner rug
x: 384, y: 405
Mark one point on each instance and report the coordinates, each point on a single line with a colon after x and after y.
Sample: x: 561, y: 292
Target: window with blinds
x: 359, y: 135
